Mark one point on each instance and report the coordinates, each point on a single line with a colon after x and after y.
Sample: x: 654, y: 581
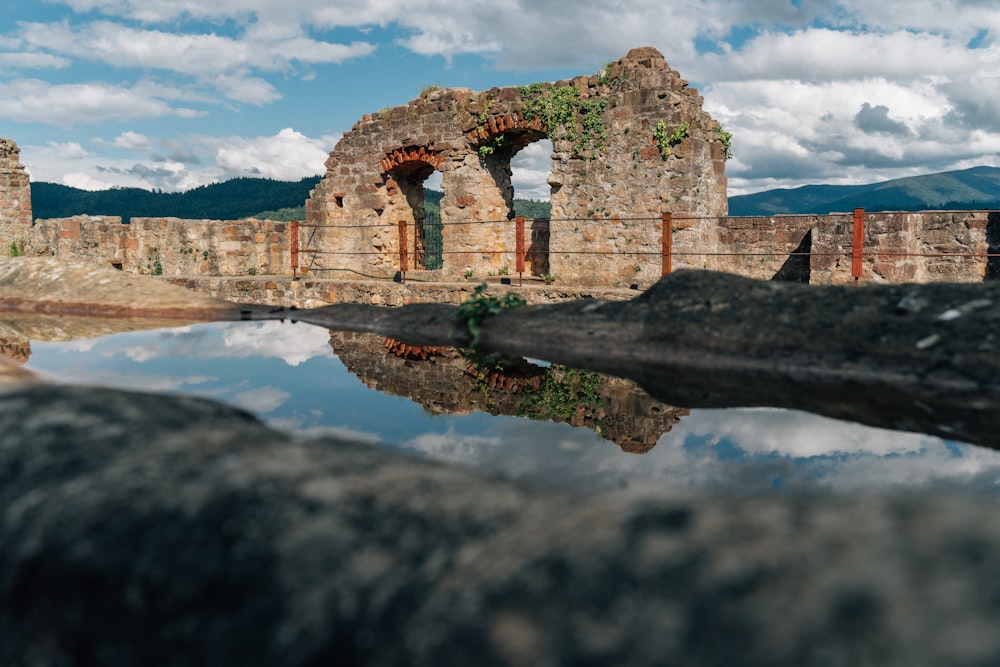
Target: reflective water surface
x: 528, y: 419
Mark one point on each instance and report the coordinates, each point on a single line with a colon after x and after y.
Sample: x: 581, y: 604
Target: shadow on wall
x: 993, y: 246
x: 796, y: 268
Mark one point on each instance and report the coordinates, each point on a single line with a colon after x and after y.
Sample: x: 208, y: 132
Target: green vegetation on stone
x: 16, y: 248
x: 561, y: 393
x: 479, y: 305
x: 666, y: 138
x: 561, y: 107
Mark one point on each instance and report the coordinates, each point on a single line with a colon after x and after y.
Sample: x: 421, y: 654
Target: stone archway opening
x: 526, y: 152
x: 497, y: 155
x: 425, y: 232
x: 531, y: 168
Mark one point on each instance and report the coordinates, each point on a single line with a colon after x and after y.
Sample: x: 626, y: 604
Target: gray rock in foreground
x: 150, y: 530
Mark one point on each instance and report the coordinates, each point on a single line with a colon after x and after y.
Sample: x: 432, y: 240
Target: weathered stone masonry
x: 610, y: 180
x: 168, y: 246
x: 15, y: 194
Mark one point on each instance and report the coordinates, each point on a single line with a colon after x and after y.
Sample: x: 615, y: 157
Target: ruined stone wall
x: 930, y: 246
x: 607, y: 166
x: 168, y: 246
x: 15, y: 197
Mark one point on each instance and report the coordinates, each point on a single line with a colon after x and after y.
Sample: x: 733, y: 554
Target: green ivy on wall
x: 562, y: 107
x: 666, y: 138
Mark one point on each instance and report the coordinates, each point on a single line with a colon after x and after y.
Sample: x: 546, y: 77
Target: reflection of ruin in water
x: 444, y: 382
x: 15, y: 348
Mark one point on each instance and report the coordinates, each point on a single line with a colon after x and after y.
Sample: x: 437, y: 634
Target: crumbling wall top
x: 9, y: 156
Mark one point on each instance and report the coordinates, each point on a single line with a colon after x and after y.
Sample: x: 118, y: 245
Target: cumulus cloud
x: 32, y: 61
x: 179, y: 163
x: 132, y: 141
x: 33, y: 100
x: 194, y: 54
x: 287, y: 155
x: 68, y: 151
x: 530, y: 170
x: 226, y: 63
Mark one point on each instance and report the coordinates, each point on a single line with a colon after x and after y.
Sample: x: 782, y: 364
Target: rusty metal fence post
x: 294, y: 247
x: 667, y: 237
x: 519, y: 247
x: 402, y: 251
x: 858, y: 246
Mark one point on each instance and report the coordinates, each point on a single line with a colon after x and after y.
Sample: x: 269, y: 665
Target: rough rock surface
x: 149, y: 530
x: 46, y: 284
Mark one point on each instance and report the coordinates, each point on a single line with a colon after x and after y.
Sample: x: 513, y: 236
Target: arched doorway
x: 426, y: 241
x: 526, y: 152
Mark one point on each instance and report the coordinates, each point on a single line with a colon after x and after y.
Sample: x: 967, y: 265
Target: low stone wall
x: 168, y: 246
x: 930, y: 246
x: 311, y: 293
x: 934, y: 246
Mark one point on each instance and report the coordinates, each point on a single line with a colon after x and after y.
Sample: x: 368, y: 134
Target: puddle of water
x: 573, y: 430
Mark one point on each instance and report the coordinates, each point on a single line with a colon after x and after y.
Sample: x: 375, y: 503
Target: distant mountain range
x: 976, y: 188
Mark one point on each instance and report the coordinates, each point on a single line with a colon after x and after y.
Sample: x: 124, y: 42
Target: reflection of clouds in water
x: 303, y: 422
x: 128, y: 381
x: 294, y: 343
x: 797, y: 449
x: 450, y: 446
x: 747, y: 450
x: 341, y: 433
x: 261, y: 400
x: 797, y: 434
x: 79, y: 345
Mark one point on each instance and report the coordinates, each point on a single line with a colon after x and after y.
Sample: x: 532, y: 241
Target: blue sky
x: 173, y: 94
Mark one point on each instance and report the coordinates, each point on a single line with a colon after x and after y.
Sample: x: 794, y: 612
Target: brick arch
x: 499, y: 124
x: 400, y: 156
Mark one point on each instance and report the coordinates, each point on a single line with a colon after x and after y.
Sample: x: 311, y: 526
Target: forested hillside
x: 231, y: 200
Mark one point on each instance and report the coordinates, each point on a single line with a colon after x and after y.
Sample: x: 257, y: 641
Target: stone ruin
x: 15, y: 194
x: 629, y: 144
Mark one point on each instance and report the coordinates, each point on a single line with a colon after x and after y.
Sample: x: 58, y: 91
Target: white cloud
x: 248, y: 89
x: 185, y: 163
x: 132, y: 141
x: 32, y: 61
x: 530, y: 170
x: 33, y: 100
x: 68, y: 151
x: 223, y: 61
x: 287, y: 155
